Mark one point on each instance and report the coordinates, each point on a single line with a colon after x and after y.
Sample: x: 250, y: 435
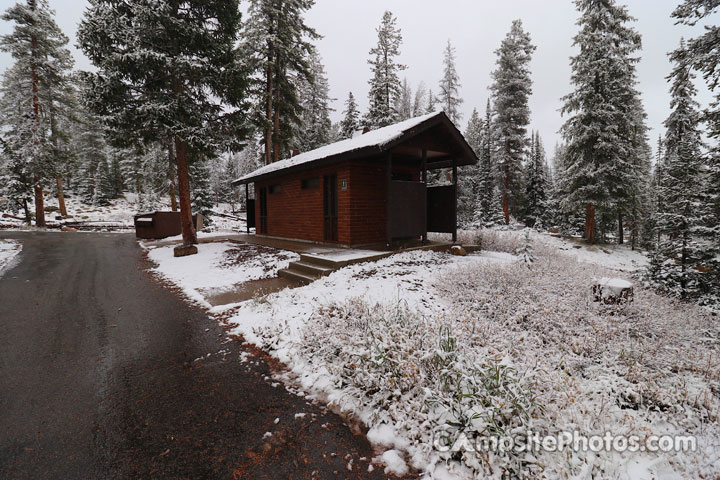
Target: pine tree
x: 450, y: 86
x: 201, y: 192
x: 511, y: 89
x: 276, y: 44
x: 420, y: 100
x: 487, y: 211
x: 168, y: 70
x: 405, y: 102
x: 314, y: 101
x: 15, y: 180
x: 598, y: 132
x: 470, y: 176
x: 704, y: 51
x: 683, y: 206
x: 351, y: 120
x: 431, y: 99
x: 38, y: 47
x: 385, y: 86
x: 538, y: 185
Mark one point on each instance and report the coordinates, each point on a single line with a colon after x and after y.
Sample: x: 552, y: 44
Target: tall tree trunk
x: 590, y: 223
x: 186, y: 222
x: 269, y: 106
x: 171, y: 176
x: 37, y: 179
x: 621, y: 229
x: 276, y: 136
x: 39, y: 202
x: 506, y: 196
x: 61, y: 196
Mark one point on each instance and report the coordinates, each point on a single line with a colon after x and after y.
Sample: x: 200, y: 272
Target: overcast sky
x: 476, y: 28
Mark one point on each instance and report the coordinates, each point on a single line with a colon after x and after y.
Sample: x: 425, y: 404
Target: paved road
x: 99, y: 379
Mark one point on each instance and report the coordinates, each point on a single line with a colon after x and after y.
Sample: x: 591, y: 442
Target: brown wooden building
x: 368, y: 190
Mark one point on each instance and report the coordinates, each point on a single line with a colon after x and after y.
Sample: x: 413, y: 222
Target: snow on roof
x: 379, y: 137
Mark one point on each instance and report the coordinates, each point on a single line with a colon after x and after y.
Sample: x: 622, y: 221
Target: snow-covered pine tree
x: 598, y: 133
x: 405, y: 102
x: 431, y: 99
x: 201, y: 191
x: 15, y: 181
x: 487, y: 211
x: 511, y: 88
x: 104, y: 188
x: 450, y: 86
x: 420, y: 100
x: 681, y: 255
x: 538, y: 185
x: 277, y: 47
x: 385, y: 86
x: 315, y: 125
x: 351, y: 118
x: 38, y: 47
x: 168, y: 70
x: 704, y: 51
x: 470, y: 176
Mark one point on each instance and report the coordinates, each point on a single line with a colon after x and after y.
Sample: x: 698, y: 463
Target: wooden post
x: 424, y: 180
x: 455, y: 183
x: 387, y: 199
x: 247, y: 207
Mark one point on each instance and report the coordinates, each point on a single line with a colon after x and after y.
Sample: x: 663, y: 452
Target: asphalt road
x: 100, y: 378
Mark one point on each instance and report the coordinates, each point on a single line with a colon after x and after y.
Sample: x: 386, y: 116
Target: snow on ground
x: 421, y: 346
x: 8, y: 251
x: 218, y: 267
x: 120, y: 212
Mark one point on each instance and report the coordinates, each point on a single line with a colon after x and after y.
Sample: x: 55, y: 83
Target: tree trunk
x: 61, y: 196
x: 186, y: 222
x: 39, y: 202
x: 621, y: 229
x: 590, y: 223
x: 269, y: 106
x: 276, y: 134
x: 171, y: 177
x: 506, y: 196
x: 37, y: 179
x: 28, y: 219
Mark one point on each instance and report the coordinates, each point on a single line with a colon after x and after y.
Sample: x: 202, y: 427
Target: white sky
x: 476, y: 28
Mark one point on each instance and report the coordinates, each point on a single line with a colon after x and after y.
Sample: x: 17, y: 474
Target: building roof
x: 372, y: 144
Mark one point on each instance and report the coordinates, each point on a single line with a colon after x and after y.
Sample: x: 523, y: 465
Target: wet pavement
x: 106, y: 374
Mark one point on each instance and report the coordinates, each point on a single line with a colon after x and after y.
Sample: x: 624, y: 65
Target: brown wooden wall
x: 298, y: 213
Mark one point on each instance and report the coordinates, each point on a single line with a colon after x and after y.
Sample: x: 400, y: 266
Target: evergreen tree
x: 431, y: 99
x: 602, y: 106
x: 469, y: 177
x: 683, y: 208
x: 511, y: 89
x: 316, y: 126
x: 487, y: 211
x: 704, y: 51
x: 277, y: 47
x: 385, y: 86
x: 351, y: 120
x: 104, y: 190
x: 420, y: 100
x: 15, y: 180
x: 168, y: 70
x: 450, y: 86
x: 538, y: 185
x: 202, y: 201
x: 38, y: 47
x: 405, y: 102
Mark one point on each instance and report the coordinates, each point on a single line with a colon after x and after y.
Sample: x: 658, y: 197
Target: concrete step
x: 296, y: 276
x: 312, y: 269
x: 320, y: 261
